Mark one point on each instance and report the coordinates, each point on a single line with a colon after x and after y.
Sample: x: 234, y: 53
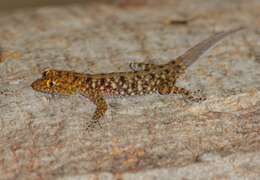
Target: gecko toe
x: 91, y: 125
x: 196, y: 96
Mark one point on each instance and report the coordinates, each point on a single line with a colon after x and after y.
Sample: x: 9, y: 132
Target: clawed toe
x: 196, y: 96
x: 91, y: 125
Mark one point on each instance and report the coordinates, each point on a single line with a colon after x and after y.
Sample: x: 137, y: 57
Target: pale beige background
x: 18, y: 4
x: 140, y: 138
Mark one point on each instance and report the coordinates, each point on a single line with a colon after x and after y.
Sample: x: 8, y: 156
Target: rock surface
x: 150, y: 137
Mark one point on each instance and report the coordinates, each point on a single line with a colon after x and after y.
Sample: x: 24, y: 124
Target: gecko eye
x: 50, y: 83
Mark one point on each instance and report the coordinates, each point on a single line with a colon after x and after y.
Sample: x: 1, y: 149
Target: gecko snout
x: 36, y: 84
x: 33, y: 85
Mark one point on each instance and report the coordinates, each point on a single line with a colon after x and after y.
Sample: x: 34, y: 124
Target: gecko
x: 144, y: 79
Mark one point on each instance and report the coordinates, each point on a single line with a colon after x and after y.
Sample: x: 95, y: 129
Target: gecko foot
x: 195, y: 96
x: 136, y: 66
x: 91, y: 125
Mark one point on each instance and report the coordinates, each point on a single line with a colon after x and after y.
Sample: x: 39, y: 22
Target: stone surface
x: 151, y: 137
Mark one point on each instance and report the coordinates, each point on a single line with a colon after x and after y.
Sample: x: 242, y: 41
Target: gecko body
x: 143, y: 79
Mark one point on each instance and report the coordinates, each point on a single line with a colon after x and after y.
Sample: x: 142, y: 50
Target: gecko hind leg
x: 135, y: 66
x: 188, y: 95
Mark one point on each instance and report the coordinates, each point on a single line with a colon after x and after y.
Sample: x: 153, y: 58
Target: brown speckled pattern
x: 144, y: 79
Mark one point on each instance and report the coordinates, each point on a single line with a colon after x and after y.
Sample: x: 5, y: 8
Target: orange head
x: 57, y: 82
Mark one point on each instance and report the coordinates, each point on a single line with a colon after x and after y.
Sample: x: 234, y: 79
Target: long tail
x: 191, y: 55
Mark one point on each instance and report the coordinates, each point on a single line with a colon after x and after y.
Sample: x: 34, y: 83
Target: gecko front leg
x: 101, y: 106
x: 169, y: 88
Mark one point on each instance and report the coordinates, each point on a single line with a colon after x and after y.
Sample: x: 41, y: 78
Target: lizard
x: 143, y: 79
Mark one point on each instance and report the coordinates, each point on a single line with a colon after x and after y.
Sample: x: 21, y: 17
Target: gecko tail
x: 191, y: 55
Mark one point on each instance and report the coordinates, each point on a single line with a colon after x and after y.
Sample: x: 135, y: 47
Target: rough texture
x: 141, y: 137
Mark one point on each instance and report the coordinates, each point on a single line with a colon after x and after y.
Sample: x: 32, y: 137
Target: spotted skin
x: 144, y: 79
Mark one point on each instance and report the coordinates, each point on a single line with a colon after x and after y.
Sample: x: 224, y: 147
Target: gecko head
x: 55, y: 82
